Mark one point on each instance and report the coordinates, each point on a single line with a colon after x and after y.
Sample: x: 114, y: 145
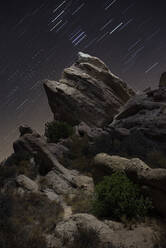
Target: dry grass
x: 80, y: 202
x: 26, y: 219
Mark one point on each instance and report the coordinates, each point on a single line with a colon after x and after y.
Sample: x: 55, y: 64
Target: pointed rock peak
x: 162, y: 82
x: 86, y: 58
x: 25, y: 129
x: 83, y: 56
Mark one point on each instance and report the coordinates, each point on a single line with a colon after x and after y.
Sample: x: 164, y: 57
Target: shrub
x: 56, y: 130
x: 116, y: 196
x: 156, y: 159
x: 85, y: 237
x: 79, y: 157
x: 7, y: 172
x: 80, y: 203
x: 16, y: 158
x: 6, y: 205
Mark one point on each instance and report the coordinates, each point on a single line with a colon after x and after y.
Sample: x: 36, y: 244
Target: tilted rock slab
x: 87, y: 92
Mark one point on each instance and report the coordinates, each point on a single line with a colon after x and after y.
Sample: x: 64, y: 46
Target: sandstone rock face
x: 87, y: 92
x: 139, y: 172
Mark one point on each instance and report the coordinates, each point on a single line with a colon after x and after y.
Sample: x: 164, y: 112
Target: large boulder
x: 87, y: 92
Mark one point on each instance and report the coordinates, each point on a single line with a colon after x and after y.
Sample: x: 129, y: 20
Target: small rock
x: 27, y: 183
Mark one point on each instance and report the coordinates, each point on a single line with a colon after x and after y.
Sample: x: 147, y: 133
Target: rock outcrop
x: 87, y: 92
x: 60, y: 179
x: 146, y: 112
x: 143, y: 121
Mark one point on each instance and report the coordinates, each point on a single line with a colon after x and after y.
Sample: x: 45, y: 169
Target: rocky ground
x: 47, y: 187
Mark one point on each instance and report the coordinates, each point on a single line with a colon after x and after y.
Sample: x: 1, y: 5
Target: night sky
x: 39, y: 38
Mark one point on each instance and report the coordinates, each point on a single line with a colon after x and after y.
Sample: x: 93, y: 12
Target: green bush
x: 56, y: 130
x: 116, y: 196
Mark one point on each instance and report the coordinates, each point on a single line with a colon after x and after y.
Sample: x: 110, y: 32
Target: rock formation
x: 48, y: 181
x: 87, y: 92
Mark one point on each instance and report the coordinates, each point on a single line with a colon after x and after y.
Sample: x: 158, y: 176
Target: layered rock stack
x: 87, y: 92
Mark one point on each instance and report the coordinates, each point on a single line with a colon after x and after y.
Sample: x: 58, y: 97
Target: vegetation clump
x: 84, y: 237
x: 56, y: 130
x: 117, y: 197
x: 80, y: 202
x: 16, y: 164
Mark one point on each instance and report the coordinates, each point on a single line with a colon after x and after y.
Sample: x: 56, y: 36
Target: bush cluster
x: 56, y: 130
x: 116, y: 196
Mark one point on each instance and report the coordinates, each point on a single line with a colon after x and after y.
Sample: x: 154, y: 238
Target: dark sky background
x: 38, y: 38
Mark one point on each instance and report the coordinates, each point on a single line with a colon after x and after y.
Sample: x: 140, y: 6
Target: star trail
x: 39, y: 38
